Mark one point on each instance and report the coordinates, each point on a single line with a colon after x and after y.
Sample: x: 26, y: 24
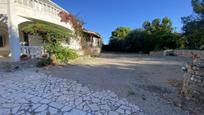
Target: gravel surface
x: 153, y: 83
x: 150, y: 84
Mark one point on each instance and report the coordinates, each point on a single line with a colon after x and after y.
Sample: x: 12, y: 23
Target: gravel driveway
x: 153, y: 83
x: 99, y: 85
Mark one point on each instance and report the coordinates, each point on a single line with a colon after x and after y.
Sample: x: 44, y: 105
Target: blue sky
x: 103, y: 16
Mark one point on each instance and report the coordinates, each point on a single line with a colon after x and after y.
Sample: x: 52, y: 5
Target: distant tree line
x: 160, y: 34
x: 155, y: 35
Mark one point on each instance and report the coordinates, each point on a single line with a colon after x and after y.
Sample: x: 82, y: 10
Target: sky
x: 104, y: 16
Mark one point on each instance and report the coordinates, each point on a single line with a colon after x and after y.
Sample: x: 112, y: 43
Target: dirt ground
x: 153, y: 83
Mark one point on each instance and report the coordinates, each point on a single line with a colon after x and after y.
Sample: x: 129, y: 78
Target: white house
x: 13, y: 13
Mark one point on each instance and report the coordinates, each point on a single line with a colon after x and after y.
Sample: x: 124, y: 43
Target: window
x: 1, y: 41
x: 88, y: 39
x: 98, y: 42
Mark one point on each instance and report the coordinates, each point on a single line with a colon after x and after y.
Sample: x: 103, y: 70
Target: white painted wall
x: 39, y: 10
x: 3, y: 6
x: 73, y: 44
x: 19, y: 11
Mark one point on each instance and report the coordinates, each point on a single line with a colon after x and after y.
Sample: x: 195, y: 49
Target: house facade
x: 14, y: 13
x: 93, y: 43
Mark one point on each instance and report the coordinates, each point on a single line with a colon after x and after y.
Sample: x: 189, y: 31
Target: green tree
x: 120, y: 33
x: 155, y: 35
x: 118, y: 36
x: 193, y: 32
x: 161, y: 34
x: 147, y: 25
x: 155, y: 25
x: 138, y: 40
x: 166, y: 25
x: 198, y: 6
x: 193, y: 28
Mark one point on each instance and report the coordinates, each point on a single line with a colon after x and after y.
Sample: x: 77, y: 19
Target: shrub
x: 44, y: 62
x: 66, y: 54
x: 62, y: 54
x: 24, y: 57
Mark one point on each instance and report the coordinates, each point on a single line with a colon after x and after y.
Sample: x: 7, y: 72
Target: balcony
x: 44, y: 10
x: 45, y: 6
x: 3, y: 6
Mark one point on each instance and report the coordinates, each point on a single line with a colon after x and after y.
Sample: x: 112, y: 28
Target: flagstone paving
x: 33, y: 93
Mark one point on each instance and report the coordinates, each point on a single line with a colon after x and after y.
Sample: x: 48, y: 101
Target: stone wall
x: 193, y: 85
x: 156, y: 53
x: 185, y: 53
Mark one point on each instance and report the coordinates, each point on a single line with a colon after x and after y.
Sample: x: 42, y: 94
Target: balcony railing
x: 33, y: 51
x: 3, y: 6
x: 48, y: 6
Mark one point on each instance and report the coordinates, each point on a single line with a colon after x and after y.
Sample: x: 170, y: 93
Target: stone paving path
x: 30, y: 93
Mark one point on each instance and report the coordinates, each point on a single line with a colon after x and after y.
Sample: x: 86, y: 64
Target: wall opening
x: 1, y: 41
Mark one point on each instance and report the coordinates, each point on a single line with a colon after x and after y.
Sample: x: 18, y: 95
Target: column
x: 14, y: 42
x: 13, y: 30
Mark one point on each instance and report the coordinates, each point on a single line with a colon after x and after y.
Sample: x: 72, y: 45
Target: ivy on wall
x: 48, y: 31
x: 53, y: 35
x: 76, y: 23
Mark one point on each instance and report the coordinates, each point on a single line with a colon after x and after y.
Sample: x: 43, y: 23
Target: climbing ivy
x: 52, y: 35
x: 76, y: 23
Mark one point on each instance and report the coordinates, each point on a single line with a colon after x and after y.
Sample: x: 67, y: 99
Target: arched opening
x: 31, y: 45
x: 37, y: 33
x: 27, y: 39
x: 4, y: 40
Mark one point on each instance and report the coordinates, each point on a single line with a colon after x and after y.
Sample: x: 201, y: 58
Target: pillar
x: 13, y: 30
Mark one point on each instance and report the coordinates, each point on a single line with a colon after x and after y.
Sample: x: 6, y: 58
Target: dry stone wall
x: 185, y: 53
x: 188, y: 53
x: 193, y: 85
